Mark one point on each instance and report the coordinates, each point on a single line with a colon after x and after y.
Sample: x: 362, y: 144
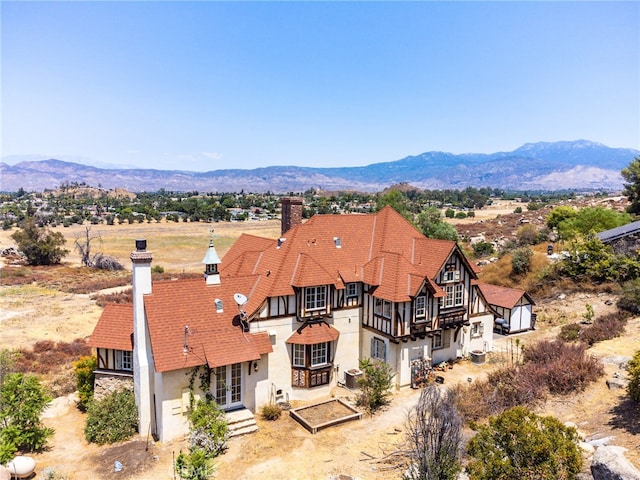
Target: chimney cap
x: 141, y: 245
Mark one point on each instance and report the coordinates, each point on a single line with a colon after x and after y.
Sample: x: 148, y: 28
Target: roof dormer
x: 211, y: 261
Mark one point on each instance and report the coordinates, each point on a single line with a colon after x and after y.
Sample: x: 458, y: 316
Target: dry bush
x: 63, y: 382
x: 604, y: 328
x: 98, y: 282
x: 511, y: 389
x: 563, y: 368
x: 46, y: 356
x: 504, y: 388
x: 125, y: 296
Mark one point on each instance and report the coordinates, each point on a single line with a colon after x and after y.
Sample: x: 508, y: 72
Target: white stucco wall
x: 483, y: 343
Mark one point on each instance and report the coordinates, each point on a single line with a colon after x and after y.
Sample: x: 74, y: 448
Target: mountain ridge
x: 579, y: 164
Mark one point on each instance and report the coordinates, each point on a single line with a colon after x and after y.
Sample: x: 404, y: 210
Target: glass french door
x: 228, y: 386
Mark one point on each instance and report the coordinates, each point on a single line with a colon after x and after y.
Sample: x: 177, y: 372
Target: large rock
x: 609, y: 463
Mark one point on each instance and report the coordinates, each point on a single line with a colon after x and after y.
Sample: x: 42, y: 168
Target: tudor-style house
x: 287, y: 318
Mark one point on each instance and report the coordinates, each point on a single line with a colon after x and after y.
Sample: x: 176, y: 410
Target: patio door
x: 228, y: 386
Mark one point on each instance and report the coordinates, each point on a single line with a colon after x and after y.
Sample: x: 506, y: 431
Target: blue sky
x: 209, y: 85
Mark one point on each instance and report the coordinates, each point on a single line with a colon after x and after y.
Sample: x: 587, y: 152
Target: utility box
x: 351, y: 378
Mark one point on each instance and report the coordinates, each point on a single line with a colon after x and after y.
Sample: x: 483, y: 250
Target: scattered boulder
x: 617, y: 381
x: 609, y: 463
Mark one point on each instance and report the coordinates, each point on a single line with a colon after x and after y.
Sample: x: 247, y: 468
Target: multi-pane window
x: 440, y: 339
x: 451, y: 276
x: 421, y: 307
x: 124, y: 360
x: 315, y: 297
x: 221, y: 386
x: 458, y: 294
x: 477, y: 329
x: 352, y: 289
x: 319, y: 354
x: 455, y: 295
x: 298, y: 355
x: 382, y: 307
x: 378, y: 349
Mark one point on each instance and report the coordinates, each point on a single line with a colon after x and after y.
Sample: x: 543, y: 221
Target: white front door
x: 228, y: 386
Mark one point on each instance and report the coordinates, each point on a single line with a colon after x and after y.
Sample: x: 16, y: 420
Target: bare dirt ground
x: 283, y: 449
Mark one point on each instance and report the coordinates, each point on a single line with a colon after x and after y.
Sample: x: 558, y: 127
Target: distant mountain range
x: 580, y: 164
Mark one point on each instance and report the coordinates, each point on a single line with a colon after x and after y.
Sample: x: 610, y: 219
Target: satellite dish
x: 240, y: 299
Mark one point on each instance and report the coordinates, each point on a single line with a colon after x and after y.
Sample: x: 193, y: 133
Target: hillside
x: 580, y: 165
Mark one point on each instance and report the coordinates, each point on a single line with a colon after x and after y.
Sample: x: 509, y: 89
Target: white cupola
x: 211, y: 261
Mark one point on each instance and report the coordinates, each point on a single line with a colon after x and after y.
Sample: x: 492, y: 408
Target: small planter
x: 478, y: 357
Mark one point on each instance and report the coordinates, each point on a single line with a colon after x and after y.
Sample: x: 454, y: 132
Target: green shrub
x: 195, y: 465
x: 209, y: 428
x: 22, y: 400
x: 630, y: 298
x: 84, y: 368
x: 521, y: 444
x: 570, y: 332
x: 112, y: 419
x: 157, y: 269
x: 271, y: 411
x: 375, y: 384
x: 634, y: 377
x: 483, y: 249
x: 521, y: 261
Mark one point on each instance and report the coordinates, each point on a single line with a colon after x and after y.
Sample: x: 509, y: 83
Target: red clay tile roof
x: 312, y: 333
x: 503, y: 296
x: 310, y: 256
x: 114, y: 328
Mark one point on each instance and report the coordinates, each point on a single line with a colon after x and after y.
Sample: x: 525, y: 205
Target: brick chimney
x: 291, y: 213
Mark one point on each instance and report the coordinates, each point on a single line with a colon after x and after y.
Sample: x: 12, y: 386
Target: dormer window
x: 352, y: 289
x: 421, y: 307
x: 315, y: 298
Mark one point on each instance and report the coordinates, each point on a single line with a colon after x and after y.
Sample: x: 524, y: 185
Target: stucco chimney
x: 142, y: 356
x: 291, y: 213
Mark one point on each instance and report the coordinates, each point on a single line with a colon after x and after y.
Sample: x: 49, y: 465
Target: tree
x: 41, y: 246
x: 632, y: 189
x: 84, y: 247
x: 22, y: 400
x: 591, y: 220
x: 520, y: 444
x: 434, y: 429
x: 521, y: 260
x: 432, y: 225
x: 375, y: 384
x: 396, y: 200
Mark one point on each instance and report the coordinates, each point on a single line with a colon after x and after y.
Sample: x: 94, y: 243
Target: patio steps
x: 241, y: 422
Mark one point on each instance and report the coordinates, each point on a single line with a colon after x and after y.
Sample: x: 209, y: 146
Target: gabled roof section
x: 308, y: 273
x: 503, y: 296
x: 186, y: 330
x: 311, y: 333
x: 335, y: 249
x: 114, y: 329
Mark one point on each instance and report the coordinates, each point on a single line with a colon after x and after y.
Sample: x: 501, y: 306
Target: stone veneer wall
x: 106, y: 383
